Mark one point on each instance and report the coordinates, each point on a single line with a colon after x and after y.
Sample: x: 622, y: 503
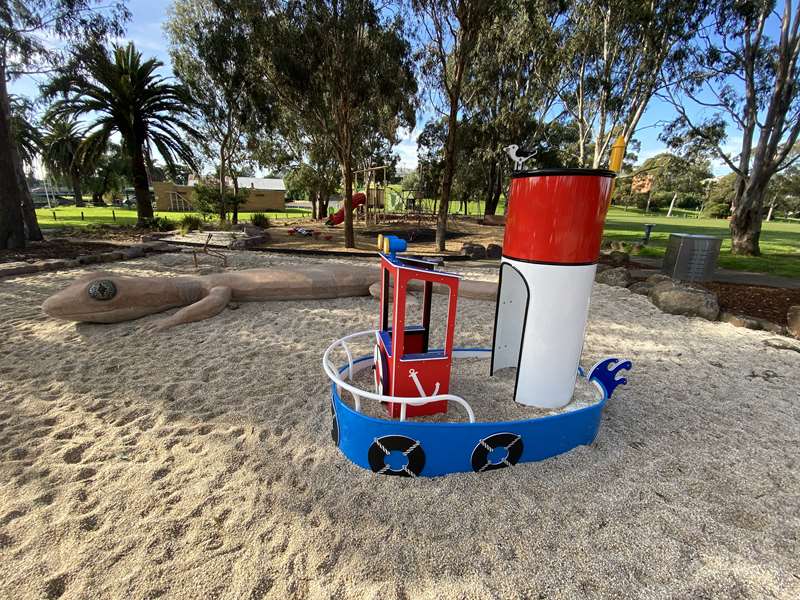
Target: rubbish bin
x: 691, y: 257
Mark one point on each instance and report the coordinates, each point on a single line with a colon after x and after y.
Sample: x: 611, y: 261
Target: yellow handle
x: 617, y: 154
x: 380, y: 241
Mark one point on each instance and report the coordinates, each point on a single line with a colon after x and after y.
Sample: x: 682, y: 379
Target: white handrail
x: 357, y: 393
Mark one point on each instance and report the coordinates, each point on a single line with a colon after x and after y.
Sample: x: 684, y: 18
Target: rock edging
x: 58, y: 264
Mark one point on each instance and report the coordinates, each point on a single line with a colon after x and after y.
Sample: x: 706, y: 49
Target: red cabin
x: 405, y: 365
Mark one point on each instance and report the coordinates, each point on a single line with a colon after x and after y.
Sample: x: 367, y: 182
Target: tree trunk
x: 447, y: 175
x: 223, y: 213
x: 490, y: 207
x: 12, y: 228
x: 746, y: 218
x: 144, y: 208
x: 313, y: 199
x: 347, y: 172
x: 322, y: 206
x: 77, y: 192
x: 771, y: 208
x: 32, y: 230
x: 495, y: 185
x: 672, y: 204
x: 235, y: 216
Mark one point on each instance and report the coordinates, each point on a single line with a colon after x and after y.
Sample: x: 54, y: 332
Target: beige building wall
x: 172, y: 197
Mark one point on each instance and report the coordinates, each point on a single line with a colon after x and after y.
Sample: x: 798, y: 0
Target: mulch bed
x: 755, y: 301
x: 54, y: 249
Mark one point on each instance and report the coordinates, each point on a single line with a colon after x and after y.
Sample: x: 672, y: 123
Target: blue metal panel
x: 444, y: 448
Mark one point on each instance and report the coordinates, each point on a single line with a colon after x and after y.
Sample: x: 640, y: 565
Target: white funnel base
x: 539, y: 328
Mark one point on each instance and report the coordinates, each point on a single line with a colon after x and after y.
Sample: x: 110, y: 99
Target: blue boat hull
x: 409, y: 448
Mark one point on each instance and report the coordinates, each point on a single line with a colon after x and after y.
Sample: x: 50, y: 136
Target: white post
x: 672, y: 204
x: 46, y: 193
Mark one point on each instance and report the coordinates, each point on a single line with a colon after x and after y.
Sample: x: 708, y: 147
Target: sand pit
x: 197, y: 463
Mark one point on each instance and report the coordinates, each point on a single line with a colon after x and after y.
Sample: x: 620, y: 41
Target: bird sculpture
x: 518, y: 155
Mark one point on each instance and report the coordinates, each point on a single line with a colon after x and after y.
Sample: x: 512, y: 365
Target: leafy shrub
x: 717, y: 210
x: 162, y: 224
x: 191, y: 223
x: 260, y: 220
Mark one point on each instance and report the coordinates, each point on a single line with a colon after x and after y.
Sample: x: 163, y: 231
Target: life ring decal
x: 497, y: 452
x: 381, y: 370
x: 334, y: 425
x: 396, y: 455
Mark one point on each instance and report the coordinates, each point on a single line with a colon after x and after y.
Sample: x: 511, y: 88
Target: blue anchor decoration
x: 604, y: 374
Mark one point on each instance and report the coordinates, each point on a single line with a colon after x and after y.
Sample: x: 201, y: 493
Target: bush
x: 717, y: 210
x: 162, y: 224
x: 260, y: 220
x: 191, y: 223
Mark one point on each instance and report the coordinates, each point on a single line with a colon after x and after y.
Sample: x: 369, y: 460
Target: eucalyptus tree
x: 615, y: 55
x: 209, y: 52
x: 61, y: 153
x: 784, y: 192
x: 740, y: 76
x: 449, y: 31
x: 119, y: 92
x: 307, y: 157
x: 509, y: 90
x: 26, y: 28
x: 338, y: 67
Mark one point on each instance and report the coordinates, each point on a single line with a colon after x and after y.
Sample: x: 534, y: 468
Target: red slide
x: 338, y: 217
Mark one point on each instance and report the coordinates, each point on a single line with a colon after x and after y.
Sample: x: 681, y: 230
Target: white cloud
x: 406, y: 149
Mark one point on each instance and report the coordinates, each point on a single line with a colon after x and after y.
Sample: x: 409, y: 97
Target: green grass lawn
x: 70, y: 216
x: 780, y: 242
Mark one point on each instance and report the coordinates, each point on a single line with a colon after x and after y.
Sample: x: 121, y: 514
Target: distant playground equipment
x: 338, y: 217
x: 370, y: 205
x: 551, y: 246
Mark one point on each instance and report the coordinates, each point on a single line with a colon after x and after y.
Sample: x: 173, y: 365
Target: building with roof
x: 263, y: 194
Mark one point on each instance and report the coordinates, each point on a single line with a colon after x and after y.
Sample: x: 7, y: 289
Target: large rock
x: 494, y: 220
x: 740, y: 320
x: 658, y: 278
x: 88, y: 259
x: 249, y: 242
x: 112, y: 256
x: 679, y: 299
x: 494, y: 251
x: 158, y: 246
x: 618, y: 277
x: 133, y: 252
x: 793, y: 320
x: 641, y: 287
x: 252, y: 230
x: 17, y: 268
x: 475, y: 251
x: 618, y: 259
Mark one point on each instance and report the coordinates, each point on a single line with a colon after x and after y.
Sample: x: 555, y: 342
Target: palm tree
x: 61, y: 155
x: 26, y: 134
x: 123, y: 94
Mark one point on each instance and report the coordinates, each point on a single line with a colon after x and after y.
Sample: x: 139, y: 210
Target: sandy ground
x: 197, y: 463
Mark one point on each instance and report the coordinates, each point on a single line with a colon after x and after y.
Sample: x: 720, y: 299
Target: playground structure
x: 551, y: 247
x: 377, y: 202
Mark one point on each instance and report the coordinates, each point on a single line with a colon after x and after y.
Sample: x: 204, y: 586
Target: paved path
x: 723, y: 275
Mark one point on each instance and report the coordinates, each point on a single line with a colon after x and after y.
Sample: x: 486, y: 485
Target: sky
x: 146, y: 30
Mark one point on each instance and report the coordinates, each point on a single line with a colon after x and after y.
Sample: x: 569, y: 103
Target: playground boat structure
x: 551, y: 246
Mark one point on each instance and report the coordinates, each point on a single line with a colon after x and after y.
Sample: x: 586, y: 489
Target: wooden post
x: 55, y: 218
x: 81, y: 215
x: 113, y: 215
